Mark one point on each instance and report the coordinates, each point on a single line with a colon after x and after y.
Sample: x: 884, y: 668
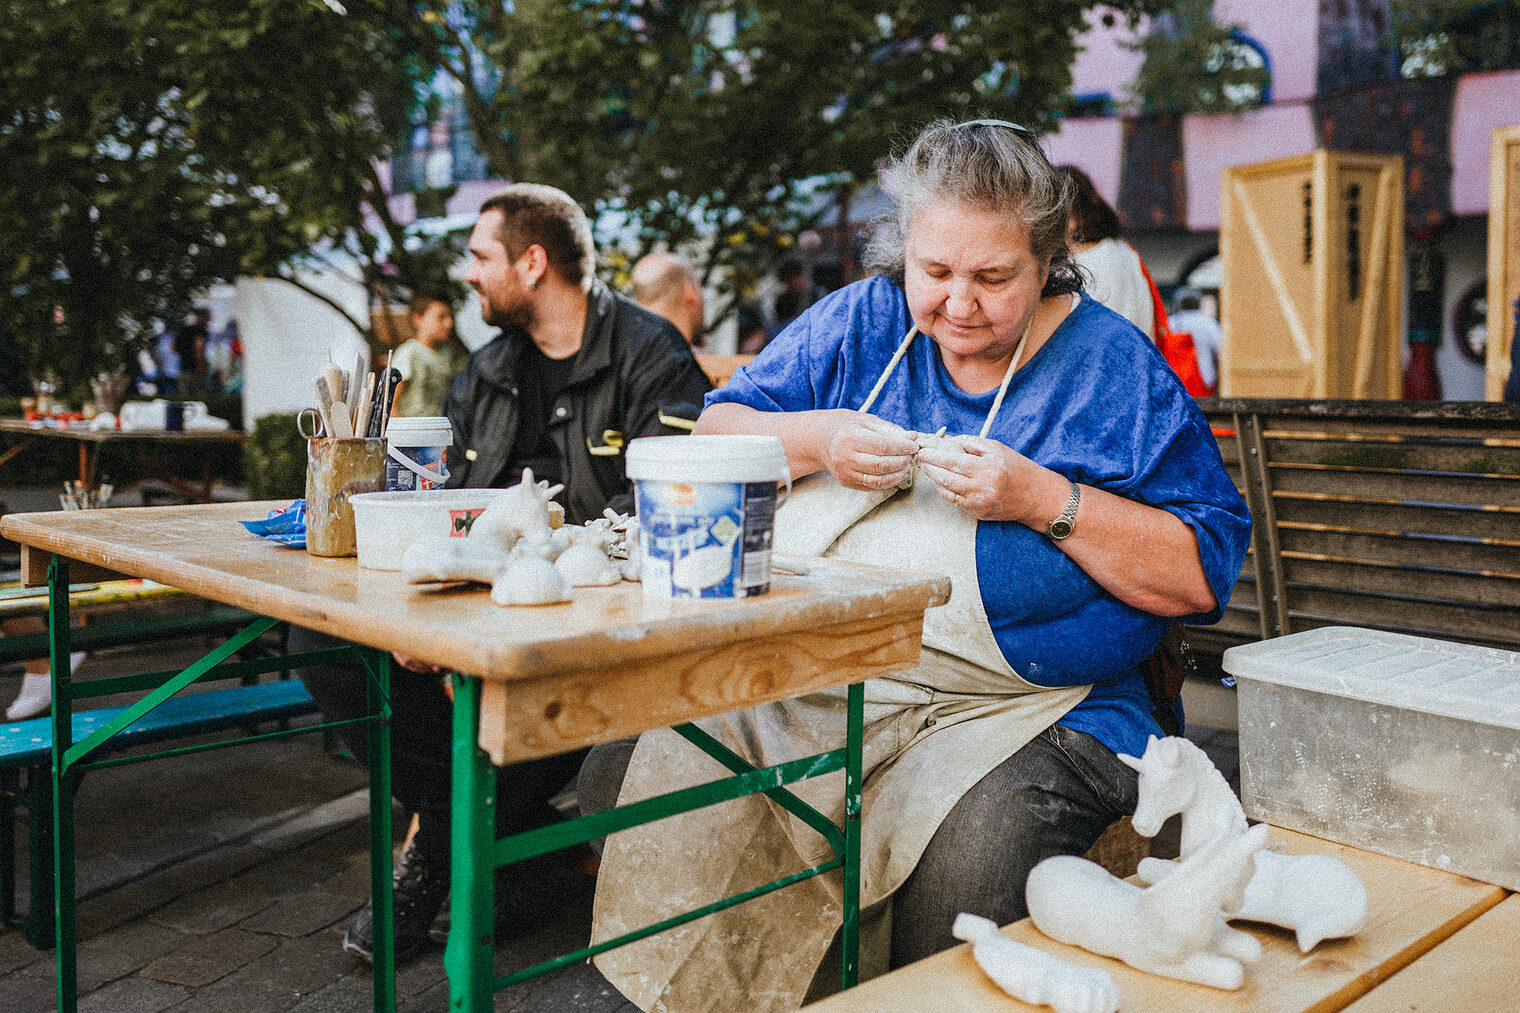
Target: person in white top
x: 1189, y: 316
x: 1111, y: 269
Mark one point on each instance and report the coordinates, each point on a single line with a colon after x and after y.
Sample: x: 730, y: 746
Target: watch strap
x: 1066, y: 523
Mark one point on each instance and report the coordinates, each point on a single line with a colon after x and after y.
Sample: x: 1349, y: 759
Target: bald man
x: 665, y: 283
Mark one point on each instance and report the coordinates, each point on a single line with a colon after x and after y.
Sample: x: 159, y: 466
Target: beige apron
x: 931, y: 733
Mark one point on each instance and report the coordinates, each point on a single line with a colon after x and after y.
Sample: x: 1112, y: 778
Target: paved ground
x: 222, y: 881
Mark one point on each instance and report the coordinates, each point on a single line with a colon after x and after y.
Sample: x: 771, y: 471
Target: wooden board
x: 1413, y: 909
x: 204, y: 551
x: 720, y: 367
x: 1503, y: 256
x: 1478, y: 969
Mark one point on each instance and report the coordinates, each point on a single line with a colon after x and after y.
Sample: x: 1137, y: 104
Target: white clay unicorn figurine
x: 1034, y: 976
x: 1173, y: 929
x: 1316, y: 896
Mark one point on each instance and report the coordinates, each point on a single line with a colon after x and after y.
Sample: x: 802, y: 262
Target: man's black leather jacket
x: 634, y: 376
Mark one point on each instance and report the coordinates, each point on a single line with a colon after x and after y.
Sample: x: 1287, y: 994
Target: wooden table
x: 90, y: 442
x: 544, y: 680
x: 1433, y: 941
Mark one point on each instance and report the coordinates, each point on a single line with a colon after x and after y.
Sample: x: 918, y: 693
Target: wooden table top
x: 1413, y: 912
x: 204, y: 551
x: 108, y: 435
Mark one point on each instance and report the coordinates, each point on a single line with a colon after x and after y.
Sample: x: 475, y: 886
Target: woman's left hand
x: 982, y: 481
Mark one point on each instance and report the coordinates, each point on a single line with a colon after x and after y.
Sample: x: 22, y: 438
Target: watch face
x: 1060, y: 528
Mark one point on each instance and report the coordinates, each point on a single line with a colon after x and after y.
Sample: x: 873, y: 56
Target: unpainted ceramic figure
x: 522, y: 512
x: 1034, y: 976
x: 530, y: 580
x: 441, y: 558
x: 1316, y: 896
x: 586, y: 565
x: 1172, y: 929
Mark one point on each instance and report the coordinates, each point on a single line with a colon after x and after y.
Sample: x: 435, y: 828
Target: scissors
x: 309, y: 417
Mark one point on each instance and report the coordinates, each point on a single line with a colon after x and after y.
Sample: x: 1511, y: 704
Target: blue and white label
x: 401, y: 478
x: 706, y: 539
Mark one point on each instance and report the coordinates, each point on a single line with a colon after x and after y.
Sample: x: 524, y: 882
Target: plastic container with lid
x: 1402, y: 745
x: 707, y: 511
x: 418, y: 455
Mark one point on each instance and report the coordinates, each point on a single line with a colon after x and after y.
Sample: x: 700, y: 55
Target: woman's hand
x: 982, y: 478
x: 865, y: 452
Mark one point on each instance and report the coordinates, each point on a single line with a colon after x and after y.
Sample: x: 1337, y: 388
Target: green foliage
x: 1438, y: 37
x: 1193, y: 64
x: 151, y: 147
x: 714, y: 122
x: 274, y: 459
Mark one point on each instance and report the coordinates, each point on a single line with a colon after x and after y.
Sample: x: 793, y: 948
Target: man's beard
x: 519, y: 314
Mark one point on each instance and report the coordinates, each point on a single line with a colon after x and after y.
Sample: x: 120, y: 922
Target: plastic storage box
x: 1401, y: 745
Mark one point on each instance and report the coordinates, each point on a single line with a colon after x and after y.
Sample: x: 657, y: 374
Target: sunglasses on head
x: 1021, y: 131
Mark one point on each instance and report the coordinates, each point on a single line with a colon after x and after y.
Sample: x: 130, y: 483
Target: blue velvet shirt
x: 1098, y: 404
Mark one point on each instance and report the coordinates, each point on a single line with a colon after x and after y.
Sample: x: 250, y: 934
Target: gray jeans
x: 1053, y: 797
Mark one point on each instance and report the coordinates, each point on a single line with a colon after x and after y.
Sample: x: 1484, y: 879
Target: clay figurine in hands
x: 1173, y: 929
x: 1034, y: 976
x: 1316, y: 896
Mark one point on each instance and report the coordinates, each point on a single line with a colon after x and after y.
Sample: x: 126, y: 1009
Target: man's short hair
x: 533, y: 213
x: 661, y: 276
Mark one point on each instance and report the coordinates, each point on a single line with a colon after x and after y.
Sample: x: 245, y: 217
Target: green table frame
x: 72, y: 759
x: 477, y: 853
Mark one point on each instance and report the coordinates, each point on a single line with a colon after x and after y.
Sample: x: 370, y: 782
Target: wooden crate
x: 1312, y: 297
x: 1503, y: 255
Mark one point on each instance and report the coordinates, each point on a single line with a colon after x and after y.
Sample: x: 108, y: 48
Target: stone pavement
x: 223, y: 881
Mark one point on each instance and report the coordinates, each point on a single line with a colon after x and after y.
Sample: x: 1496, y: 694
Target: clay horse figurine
x: 1173, y: 929
x: 1316, y: 896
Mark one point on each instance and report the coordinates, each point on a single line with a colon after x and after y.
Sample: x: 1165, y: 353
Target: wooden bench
x: 26, y: 746
x: 1400, y: 516
x: 1415, y: 913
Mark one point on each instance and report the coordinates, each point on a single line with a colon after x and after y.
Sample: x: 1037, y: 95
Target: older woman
x: 1078, y: 503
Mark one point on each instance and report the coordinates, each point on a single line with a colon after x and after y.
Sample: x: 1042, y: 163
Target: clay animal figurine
x: 586, y: 565
x: 530, y: 580
x: 1173, y: 929
x: 1034, y: 976
x: 441, y: 558
x: 522, y: 512
x: 1316, y: 896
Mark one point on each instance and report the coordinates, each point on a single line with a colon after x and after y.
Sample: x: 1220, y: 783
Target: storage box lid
x: 1480, y: 684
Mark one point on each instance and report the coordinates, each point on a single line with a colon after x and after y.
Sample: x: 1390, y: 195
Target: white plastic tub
x: 1401, y: 745
x: 386, y: 523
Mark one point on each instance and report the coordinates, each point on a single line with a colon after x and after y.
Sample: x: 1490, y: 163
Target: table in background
x: 1430, y: 935
x: 90, y: 442
x: 544, y: 680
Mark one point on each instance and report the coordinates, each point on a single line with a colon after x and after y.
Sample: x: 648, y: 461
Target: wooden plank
x: 1476, y: 969
x: 1471, y: 417
x: 1425, y: 584
x: 1412, y: 910
x: 203, y: 550
x: 1457, y: 458
x: 35, y: 563
x: 1364, y: 514
x: 542, y: 717
x: 720, y: 367
x: 1395, y: 549
x: 1503, y: 255
x: 1389, y: 486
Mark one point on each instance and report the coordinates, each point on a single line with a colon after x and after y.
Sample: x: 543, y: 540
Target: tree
x: 718, y: 123
x: 1437, y: 37
x: 1193, y: 64
x: 151, y: 147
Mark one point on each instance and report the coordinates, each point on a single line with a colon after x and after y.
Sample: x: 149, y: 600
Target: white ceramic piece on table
x: 1172, y: 929
x: 1034, y: 976
x: 441, y: 558
x: 522, y: 512
x: 587, y: 566
x: 1316, y: 896
x: 530, y: 580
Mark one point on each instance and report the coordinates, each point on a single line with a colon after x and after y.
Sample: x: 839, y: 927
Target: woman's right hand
x: 865, y: 452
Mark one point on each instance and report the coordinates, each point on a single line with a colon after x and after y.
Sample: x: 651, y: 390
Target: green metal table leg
x: 65, y: 955
x: 854, y: 740
x: 471, y: 950
x: 378, y: 664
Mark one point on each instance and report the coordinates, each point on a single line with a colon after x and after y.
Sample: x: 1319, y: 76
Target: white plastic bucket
x: 707, y: 513
x: 387, y: 523
x: 418, y: 455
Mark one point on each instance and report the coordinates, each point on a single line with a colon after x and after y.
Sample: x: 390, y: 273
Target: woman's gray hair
x: 989, y: 166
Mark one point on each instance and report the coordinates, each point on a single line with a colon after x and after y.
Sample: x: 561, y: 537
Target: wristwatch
x: 1064, y: 525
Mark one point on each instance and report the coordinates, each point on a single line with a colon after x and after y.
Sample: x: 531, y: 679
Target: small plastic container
x: 707, y: 513
x: 418, y: 456
x: 386, y: 523
x: 1402, y: 745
